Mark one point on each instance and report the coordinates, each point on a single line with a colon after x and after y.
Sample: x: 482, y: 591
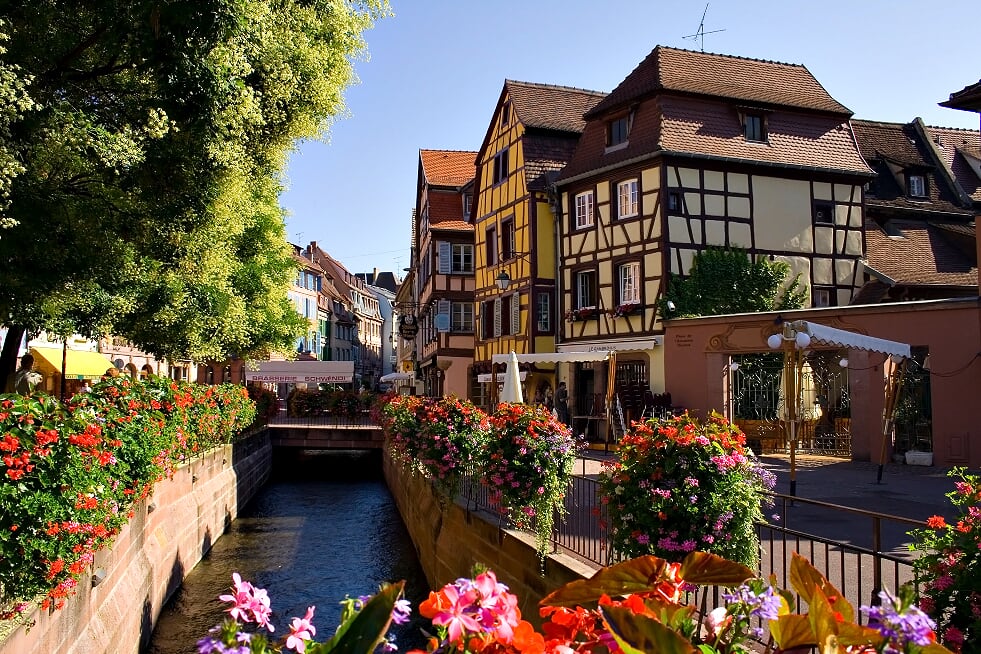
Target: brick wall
x: 449, y: 540
x: 169, y: 533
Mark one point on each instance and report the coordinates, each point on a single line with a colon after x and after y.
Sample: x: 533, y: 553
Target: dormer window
x: 754, y: 127
x: 467, y: 202
x: 916, y: 186
x: 617, y: 131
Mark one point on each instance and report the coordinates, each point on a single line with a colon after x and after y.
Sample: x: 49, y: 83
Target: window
x: 507, y: 239
x: 617, y: 131
x: 462, y: 314
x: 629, y: 279
x: 754, y: 127
x: 585, y: 289
x: 821, y: 297
x: 487, y: 319
x: 467, y: 203
x: 674, y: 201
x: 627, y: 198
x: 584, y: 210
x: 491, y: 246
x: 506, y: 320
x: 824, y: 213
x: 505, y: 115
x: 462, y: 258
x: 543, y: 312
x: 500, y: 166
x: 916, y: 185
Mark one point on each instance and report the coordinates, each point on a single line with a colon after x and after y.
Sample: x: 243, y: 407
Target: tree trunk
x: 8, y: 356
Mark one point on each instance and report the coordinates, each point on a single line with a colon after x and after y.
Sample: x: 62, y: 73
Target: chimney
x: 374, y: 276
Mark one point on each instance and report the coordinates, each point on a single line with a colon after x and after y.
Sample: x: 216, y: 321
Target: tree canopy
x: 728, y: 280
x: 142, y: 144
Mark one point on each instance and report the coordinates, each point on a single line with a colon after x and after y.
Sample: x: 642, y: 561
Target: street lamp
x: 793, y: 343
x: 503, y: 280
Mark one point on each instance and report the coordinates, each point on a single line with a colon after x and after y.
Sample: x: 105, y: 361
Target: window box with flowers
x: 583, y: 313
x: 625, y: 309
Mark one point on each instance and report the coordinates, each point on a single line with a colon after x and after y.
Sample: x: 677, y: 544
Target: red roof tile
x: 452, y: 226
x: 737, y: 78
x: 710, y: 127
x: 953, y: 145
x: 902, y: 144
x: 448, y: 167
x: 546, y: 106
x: 923, y: 256
x: 968, y: 98
x: 444, y: 206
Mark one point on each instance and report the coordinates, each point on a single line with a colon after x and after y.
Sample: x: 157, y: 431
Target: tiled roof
x: 968, y: 98
x: 736, y: 78
x: 452, y: 226
x: 923, y: 256
x: 546, y: 106
x: 902, y: 145
x: 448, y: 167
x: 709, y: 127
x: 954, y: 146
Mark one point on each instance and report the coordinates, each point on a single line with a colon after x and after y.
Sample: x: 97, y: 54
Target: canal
x: 325, y: 527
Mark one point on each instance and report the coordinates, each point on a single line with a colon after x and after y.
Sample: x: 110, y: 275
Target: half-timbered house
x: 444, y: 270
x: 694, y: 150
x: 531, y: 136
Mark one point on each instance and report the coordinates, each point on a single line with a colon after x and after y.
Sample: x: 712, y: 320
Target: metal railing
x: 860, y: 552
x: 361, y: 420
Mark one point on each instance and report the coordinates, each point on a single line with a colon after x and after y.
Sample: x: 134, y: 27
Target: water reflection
x: 325, y: 527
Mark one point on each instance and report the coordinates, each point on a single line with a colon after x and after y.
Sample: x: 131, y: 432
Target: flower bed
x: 679, y: 486
x: 70, y: 473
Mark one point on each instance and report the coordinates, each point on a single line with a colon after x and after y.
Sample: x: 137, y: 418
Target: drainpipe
x: 556, y: 205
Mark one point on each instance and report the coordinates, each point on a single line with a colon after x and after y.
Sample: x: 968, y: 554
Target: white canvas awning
x: 312, y: 372
x: 824, y: 335
x: 397, y: 376
x: 488, y: 378
x: 553, y: 357
x: 635, y: 345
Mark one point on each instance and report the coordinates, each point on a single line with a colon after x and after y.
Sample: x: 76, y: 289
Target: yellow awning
x: 78, y: 364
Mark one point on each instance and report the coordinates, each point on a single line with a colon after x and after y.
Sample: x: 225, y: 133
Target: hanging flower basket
x: 585, y: 313
x: 625, y: 309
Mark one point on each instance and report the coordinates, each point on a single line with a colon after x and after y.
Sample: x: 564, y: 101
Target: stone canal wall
x: 169, y: 533
x: 449, y: 540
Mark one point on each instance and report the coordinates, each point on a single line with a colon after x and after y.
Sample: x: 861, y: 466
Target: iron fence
x: 360, y: 420
x: 861, y: 552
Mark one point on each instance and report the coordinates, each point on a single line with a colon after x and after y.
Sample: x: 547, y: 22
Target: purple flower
x: 401, y: 611
x: 899, y: 626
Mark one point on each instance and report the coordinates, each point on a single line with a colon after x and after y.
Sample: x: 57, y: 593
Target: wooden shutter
x: 497, y: 317
x: 444, y: 308
x: 445, y: 258
x: 516, y: 313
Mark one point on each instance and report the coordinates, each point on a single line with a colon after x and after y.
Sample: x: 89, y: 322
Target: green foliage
x: 948, y: 574
x: 69, y: 475
x: 678, y: 486
x: 726, y: 280
x: 141, y: 148
x: 266, y: 403
x: 339, y: 403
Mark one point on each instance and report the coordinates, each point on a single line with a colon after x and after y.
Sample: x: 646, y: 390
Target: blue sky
x: 437, y: 68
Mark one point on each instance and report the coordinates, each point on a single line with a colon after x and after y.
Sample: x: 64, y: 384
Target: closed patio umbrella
x: 512, y: 382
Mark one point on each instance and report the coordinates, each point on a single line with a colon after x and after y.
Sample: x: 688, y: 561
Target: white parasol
x: 512, y: 382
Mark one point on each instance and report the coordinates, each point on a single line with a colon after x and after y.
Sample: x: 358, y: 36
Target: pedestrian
x: 562, y: 403
x: 25, y: 379
x: 85, y: 387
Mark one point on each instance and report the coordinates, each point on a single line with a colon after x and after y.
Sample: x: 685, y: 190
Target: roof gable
x: 547, y: 106
x: 960, y: 151
x: 754, y: 81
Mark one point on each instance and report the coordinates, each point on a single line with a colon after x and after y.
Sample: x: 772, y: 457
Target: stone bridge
x: 326, y: 433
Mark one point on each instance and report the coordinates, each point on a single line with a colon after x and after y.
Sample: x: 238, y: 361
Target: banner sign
x: 300, y: 372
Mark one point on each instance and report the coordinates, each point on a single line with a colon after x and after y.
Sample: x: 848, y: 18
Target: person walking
x: 25, y: 379
x: 562, y: 403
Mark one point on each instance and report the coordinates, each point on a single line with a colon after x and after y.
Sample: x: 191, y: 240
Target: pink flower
x: 717, y: 620
x: 456, y: 618
x: 301, y: 630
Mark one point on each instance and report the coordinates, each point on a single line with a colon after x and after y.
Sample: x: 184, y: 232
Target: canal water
x: 325, y: 527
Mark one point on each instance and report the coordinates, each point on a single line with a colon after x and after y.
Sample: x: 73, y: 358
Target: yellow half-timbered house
x: 531, y: 136
x: 694, y: 150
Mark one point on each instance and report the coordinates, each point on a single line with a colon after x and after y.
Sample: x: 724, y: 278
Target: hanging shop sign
x: 408, y: 327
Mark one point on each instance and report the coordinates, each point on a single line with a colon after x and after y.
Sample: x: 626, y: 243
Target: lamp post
x: 792, y: 342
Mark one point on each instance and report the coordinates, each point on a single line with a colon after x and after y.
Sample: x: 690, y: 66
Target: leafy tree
x: 141, y: 148
x: 728, y: 280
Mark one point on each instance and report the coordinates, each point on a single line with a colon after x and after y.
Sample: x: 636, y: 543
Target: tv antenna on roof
x: 700, y: 34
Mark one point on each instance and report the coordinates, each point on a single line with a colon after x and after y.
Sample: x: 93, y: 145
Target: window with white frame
x: 627, y: 199
x: 821, y: 297
x: 462, y: 317
x: 629, y: 275
x: 543, y: 312
x: 584, y: 210
x: 462, y: 258
x: 585, y: 289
